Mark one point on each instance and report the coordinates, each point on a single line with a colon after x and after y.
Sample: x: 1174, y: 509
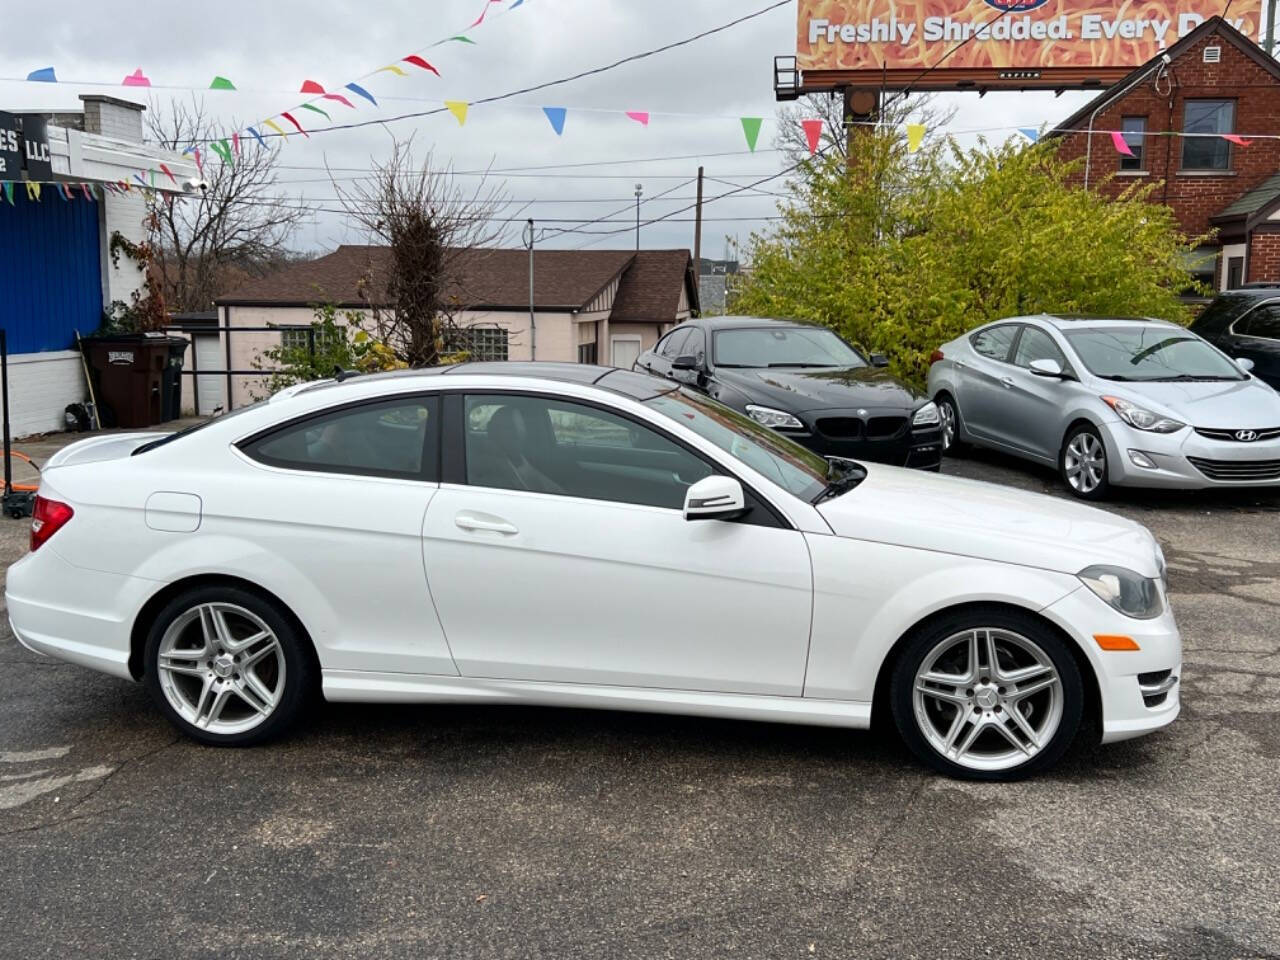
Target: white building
x: 56, y: 270
x: 590, y: 306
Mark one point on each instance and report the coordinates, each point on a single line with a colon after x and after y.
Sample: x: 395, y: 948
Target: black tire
x: 924, y: 642
x: 293, y: 686
x: 955, y: 447
x: 1079, y: 485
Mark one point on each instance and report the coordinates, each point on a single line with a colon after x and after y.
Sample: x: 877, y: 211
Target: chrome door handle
x: 471, y: 521
x: 1007, y: 381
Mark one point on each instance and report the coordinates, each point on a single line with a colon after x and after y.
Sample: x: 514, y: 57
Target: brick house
x: 1213, y: 81
x: 590, y: 306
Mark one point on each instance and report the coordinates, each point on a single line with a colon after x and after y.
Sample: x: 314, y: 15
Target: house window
x: 1210, y: 119
x: 479, y: 343
x: 1134, y: 130
x: 587, y: 353
x: 1235, y: 272
x: 299, y: 338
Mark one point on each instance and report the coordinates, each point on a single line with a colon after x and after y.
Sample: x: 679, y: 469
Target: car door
x: 1256, y: 336
x: 1032, y: 411
x: 665, y: 351
x: 557, y: 551
x: 337, y: 499
x: 980, y: 383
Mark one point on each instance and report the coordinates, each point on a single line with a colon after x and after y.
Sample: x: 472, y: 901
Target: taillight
x: 48, y: 517
x: 935, y: 357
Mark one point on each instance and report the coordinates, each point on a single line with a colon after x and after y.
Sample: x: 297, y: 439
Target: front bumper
x: 920, y: 449
x: 1186, y: 460
x: 1139, y: 690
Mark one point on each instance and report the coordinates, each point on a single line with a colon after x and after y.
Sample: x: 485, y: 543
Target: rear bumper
x: 81, y: 616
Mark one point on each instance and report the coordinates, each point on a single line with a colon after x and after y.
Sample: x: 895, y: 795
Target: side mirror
x: 879, y: 360
x: 1245, y: 364
x: 1047, y: 368
x: 686, y: 362
x: 715, y: 498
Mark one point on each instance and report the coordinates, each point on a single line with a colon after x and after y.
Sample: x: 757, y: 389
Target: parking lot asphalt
x: 512, y: 832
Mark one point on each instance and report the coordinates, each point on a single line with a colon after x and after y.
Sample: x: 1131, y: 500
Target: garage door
x: 210, y: 387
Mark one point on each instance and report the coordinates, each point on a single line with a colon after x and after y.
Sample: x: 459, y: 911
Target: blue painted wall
x: 50, y: 270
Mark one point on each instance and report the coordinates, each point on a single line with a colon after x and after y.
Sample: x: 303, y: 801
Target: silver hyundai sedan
x: 1109, y: 401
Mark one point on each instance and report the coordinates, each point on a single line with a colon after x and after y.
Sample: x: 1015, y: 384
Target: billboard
x: 980, y: 43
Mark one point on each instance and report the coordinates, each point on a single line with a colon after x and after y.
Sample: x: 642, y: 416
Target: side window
x: 390, y: 438
x: 547, y: 445
x: 1263, y: 323
x: 696, y: 346
x: 671, y: 347
x: 1035, y: 344
x: 994, y: 342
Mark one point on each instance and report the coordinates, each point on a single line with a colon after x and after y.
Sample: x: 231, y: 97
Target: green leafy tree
x: 901, y: 253
x: 339, y: 342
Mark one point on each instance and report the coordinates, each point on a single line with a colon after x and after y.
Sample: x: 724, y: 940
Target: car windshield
x: 1150, y: 354
x: 770, y: 454
x: 782, y: 347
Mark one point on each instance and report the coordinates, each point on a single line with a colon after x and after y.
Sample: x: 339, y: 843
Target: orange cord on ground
x: 25, y: 487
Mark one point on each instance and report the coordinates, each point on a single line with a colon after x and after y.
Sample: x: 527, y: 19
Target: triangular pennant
x: 235, y: 144
x: 314, y: 109
x: 276, y: 127
x: 136, y: 79
x: 393, y: 69
x: 44, y: 75
x: 289, y: 117
x: 221, y: 83
x: 199, y: 161
x: 751, y: 128
x: 1117, y: 139
x: 516, y: 4
x: 8, y: 192
x: 222, y: 150
x: 310, y: 86
x: 459, y: 109
x: 1030, y: 133
x: 812, y: 134
x: 138, y: 177
x: 168, y: 173
x: 1238, y: 140
x: 556, y: 115
x: 33, y: 191
x: 480, y: 19
x: 461, y: 39
x: 84, y: 188
x: 417, y: 61
x: 915, y: 136
x: 639, y: 116
x: 360, y: 91
x: 340, y: 98
x: 257, y: 136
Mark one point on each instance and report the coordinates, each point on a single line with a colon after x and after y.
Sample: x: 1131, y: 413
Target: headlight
x: 926, y: 416
x: 1132, y: 594
x: 777, y: 419
x: 1140, y: 418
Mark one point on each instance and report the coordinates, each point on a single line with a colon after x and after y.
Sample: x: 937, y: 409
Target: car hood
x: 912, y: 508
x: 1225, y: 404
x: 823, y: 389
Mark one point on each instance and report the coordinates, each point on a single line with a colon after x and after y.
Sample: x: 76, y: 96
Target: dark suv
x: 1245, y: 324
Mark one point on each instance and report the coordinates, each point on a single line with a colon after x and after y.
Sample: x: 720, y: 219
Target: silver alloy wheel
x: 221, y: 668
x: 947, y: 414
x: 988, y: 699
x: 1085, y: 462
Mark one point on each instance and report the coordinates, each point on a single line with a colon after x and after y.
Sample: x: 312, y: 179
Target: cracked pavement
x: 513, y: 832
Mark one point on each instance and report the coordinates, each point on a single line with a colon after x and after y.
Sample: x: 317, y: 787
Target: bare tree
x: 431, y: 225
x: 829, y: 108
x: 236, y: 227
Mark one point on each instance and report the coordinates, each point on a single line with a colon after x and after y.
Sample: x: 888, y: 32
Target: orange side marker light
x: 1112, y: 641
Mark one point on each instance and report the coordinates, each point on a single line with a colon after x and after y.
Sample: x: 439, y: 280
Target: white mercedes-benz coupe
x: 581, y: 536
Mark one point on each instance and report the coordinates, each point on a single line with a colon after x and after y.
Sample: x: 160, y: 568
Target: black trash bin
x: 130, y: 376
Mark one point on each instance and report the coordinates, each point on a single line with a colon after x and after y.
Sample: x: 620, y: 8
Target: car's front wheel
x: 987, y: 694
x: 949, y: 417
x: 227, y: 666
x: 1083, y: 463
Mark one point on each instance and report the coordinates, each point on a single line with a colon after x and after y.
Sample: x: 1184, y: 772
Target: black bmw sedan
x: 805, y: 382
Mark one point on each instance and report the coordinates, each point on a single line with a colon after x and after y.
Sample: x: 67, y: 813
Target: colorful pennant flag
x: 221, y: 83
x: 1236, y: 139
x: 45, y: 75
x: 64, y: 192
x: 33, y: 191
x: 812, y: 134
x: 639, y: 116
x: 1117, y: 138
x: 557, y: 116
x: 1030, y: 133
x: 8, y: 192
x: 340, y: 98
x: 463, y: 39
x: 751, y: 128
x: 480, y: 19
x: 393, y: 69
x: 417, y: 61
x: 168, y: 173
x: 289, y: 117
x: 314, y: 109
x: 276, y: 127
x: 84, y: 188
x: 136, y: 79
x: 223, y: 150
x: 360, y: 91
x: 235, y: 144
x: 915, y: 136
x: 257, y: 136
x: 459, y: 109
x: 310, y: 86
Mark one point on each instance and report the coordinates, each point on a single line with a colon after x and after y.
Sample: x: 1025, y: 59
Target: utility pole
x: 697, y: 231
x: 1271, y: 28
x: 530, y: 235
x: 639, y: 194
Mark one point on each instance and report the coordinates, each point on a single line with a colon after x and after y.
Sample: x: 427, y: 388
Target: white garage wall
x: 40, y: 387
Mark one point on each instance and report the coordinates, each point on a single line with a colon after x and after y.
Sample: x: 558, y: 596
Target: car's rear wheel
x: 987, y: 695
x: 949, y: 415
x: 227, y: 667
x: 1083, y: 463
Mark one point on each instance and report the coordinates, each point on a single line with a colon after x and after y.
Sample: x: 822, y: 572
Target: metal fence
x: 229, y: 372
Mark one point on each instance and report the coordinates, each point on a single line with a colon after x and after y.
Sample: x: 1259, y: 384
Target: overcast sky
x: 695, y: 93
